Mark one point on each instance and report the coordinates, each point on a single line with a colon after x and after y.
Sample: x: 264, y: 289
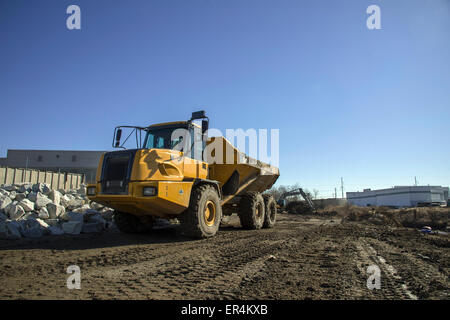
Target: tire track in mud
x: 301, y: 258
x: 392, y: 284
x: 179, y: 271
x: 419, y: 275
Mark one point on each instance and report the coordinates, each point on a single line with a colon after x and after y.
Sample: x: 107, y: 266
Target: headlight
x: 149, y: 191
x: 91, y: 191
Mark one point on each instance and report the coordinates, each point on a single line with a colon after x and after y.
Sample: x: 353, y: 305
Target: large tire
x: 128, y: 223
x: 252, y: 211
x: 271, y: 211
x: 202, y: 218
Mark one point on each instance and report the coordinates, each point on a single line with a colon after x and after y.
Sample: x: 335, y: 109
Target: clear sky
x: 371, y: 106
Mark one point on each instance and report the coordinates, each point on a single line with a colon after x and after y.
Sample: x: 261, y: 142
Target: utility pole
x: 342, y: 187
x: 335, y: 193
x: 415, y: 181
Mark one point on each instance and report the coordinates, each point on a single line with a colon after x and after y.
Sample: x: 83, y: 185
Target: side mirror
x: 118, y: 136
x: 205, y: 125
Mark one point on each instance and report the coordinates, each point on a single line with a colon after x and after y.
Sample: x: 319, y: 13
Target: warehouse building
x: 84, y: 162
x: 400, y: 196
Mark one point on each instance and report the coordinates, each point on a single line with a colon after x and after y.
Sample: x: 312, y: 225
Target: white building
x: 400, y: 196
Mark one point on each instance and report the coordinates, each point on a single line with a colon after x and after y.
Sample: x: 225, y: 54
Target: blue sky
x: 372, y: 106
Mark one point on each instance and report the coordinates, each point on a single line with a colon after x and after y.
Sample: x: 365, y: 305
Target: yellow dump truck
x: 176, y: 171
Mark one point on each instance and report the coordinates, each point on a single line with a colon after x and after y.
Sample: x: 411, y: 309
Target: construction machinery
x: 177, y: 171
x: 307, y: 205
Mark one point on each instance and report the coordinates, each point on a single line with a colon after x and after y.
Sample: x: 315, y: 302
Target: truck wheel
x: 128, y: 223
x: 202, y: 218
x: 271, y: 211
x: 251, y: 211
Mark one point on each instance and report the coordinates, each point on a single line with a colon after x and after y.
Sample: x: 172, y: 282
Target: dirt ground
x: 303, y: 257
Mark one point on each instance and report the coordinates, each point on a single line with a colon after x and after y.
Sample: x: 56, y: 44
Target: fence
x: 56, y: 180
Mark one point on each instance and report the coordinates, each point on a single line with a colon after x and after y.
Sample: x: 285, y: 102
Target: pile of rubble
x: 33, y: 210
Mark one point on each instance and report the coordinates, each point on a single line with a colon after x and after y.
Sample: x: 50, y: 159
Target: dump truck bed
x: 252, y: 174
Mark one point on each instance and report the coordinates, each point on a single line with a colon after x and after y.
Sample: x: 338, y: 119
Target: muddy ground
x: 303, y: 257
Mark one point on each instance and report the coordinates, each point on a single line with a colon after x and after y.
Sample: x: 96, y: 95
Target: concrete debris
x: 75, y: 203
x: 9, y: 187
x: 4, y: 201
x: 72, y: 227
x: 42, y: 188
x: 33, y: 210
x: 31, y: 228
x: 9, y: 231
x: 25, y: 188
x: 20, y: 196
x: 27, y: 205
x: 92, y: 227
x: 42, y: 201
x: 83, y: 209
x: 55, y: 197
x: 53, y: 222
x: 32, y: 196
x: 43, y: 213
x: 55, y: 231
x: 96, y: 206
x: 14, y: 211
x: 13, y: 195
x: 3, y: 217
x: 54, y: 210
x: 72, y: 216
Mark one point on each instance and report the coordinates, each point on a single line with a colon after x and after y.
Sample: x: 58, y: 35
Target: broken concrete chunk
x: 9, y: 187
x: 72, y: 227
x: 3, y: 217
x: 14, y: 211
x: 27, y: 205
x: 4, y: 201
x: 64, y: 200
x: 20, y: 196
x: 75, y: 203
x: 25, y: 188
x: 43, y: 213
x: 31, y: 228
x: 13, y: 195
x: 92, y: 227
x: 32, y: 196
x: 72, y: 216
x: 42, y: 201
x: 9, y: 231
x: 54, y: 210
x: 55, y: 197
x: 41, y: 187
x: 96, y: 206
x: 55, y: 231
x: 30, y: 215
x: 52, y: 222
x: 82, y: 209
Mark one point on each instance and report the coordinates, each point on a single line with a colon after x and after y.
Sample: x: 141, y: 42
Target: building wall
x: 82, y: 162
x: 400, y: 196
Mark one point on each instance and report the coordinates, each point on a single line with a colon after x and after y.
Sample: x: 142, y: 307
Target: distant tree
x: 316, y: 193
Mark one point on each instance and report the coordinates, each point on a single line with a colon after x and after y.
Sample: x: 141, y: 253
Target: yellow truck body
x: 170, y: 176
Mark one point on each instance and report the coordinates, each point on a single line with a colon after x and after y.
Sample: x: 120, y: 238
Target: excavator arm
x: 295, y: 192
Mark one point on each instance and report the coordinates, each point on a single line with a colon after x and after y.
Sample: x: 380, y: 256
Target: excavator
x: 307, y: 205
